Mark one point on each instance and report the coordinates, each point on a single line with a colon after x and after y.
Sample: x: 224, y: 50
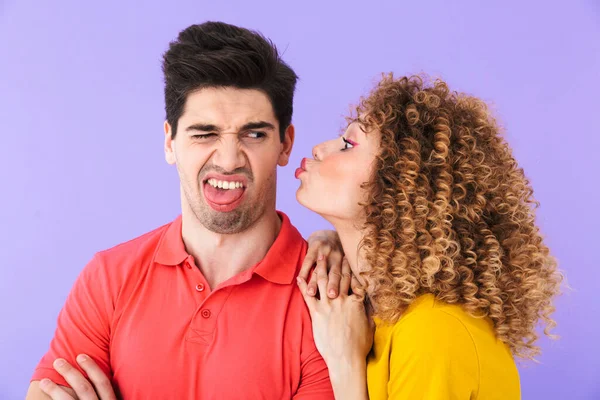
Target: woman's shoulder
x: 433, y: 325
x: 444, y: 330
x: 429, y: 350
x: 439, y: 345
x: 427, y: 312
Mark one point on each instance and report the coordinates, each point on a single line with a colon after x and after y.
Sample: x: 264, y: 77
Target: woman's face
x: 331, y: 181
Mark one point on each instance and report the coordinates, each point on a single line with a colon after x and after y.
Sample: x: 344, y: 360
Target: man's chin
x: 224, y: 222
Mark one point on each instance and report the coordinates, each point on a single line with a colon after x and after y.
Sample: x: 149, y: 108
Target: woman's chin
x: 300, y: 198
x: 305, y: 200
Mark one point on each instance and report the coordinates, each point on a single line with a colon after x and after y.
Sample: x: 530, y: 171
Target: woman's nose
x: 316, y: 152
x: 321, y: 150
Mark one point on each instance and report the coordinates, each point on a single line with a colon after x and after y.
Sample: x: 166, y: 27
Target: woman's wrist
x: 349, y: 379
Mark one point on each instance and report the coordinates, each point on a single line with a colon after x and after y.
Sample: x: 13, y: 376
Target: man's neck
x: 222, y: 256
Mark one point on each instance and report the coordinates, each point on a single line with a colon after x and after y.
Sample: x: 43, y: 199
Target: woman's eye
x: 347, y: 144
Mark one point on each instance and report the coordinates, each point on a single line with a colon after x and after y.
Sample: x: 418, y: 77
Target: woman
x: 437, y: 223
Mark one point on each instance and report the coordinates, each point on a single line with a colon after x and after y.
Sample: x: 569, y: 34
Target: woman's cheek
x: 336, y: 167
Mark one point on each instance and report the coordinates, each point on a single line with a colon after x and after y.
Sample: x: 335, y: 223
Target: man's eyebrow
x: 257, y: 125
x: 203, y: 128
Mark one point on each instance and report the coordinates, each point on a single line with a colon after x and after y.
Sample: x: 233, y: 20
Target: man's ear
x: 287, y: 144
x: 169, y: 144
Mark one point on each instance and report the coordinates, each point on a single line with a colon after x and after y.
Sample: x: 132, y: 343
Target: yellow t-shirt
x: 437, y: 351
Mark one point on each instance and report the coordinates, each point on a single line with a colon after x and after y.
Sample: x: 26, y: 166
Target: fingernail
x: 59, y: 363
x: 311, y: 291
x: 298, y: 280
x: 332, y: 292
x: 82, y: 358
x: 321, y: 256
x: 45, y: 382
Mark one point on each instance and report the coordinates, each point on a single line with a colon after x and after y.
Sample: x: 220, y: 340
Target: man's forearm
x: 35, y: 392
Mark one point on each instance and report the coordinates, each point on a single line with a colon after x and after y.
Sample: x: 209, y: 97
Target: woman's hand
x: 343, y: 333
x: 324, y: 250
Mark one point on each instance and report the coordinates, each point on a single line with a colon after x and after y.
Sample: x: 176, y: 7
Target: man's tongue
x: 222, y: 196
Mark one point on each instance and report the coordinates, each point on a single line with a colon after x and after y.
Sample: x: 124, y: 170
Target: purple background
x: 81, y: 113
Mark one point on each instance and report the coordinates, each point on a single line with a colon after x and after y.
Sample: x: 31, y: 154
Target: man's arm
x: 98, y: 387
x: 315, y: 383
x: 35, y: 392
x: 83, y: 326
x: 314, y: 376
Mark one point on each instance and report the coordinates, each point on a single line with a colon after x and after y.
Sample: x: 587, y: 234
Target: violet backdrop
x: 81, y: 113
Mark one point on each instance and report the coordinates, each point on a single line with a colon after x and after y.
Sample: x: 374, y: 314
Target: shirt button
x: 199, y: 287
x: 205, y: 313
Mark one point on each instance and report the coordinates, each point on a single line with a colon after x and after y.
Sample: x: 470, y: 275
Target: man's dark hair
x: 216, y: 54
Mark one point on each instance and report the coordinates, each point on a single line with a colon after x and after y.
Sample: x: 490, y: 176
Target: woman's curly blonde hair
x: 449, y: 212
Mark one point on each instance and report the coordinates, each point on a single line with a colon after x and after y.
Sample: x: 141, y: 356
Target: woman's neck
x: 351, y: 238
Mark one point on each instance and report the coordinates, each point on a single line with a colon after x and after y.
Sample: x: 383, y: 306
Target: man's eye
x: 204, y: 136
x: 256, y: 135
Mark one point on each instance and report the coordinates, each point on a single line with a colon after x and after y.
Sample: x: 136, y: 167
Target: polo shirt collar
x: 281, y: 261
x: 278, y: 266
x: 171, y: 250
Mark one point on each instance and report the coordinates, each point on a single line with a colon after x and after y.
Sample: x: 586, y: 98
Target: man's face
x: 226, y: 150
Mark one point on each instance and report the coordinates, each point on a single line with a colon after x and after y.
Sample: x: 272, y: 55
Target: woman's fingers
x: 309, y: 260
x: 322, y: 280
x: 335, y: 274
x: 346, y: 278
x: 312, y: 283
x: 357, y: 288
x: 311, y: 302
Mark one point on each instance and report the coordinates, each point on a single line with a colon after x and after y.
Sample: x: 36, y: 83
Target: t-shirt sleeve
x: 314, y: 376
x: 314, y: 383
x: 83, y: 324
x: 433, y: 356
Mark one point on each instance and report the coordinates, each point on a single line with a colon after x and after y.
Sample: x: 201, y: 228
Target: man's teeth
x: 225, y: 184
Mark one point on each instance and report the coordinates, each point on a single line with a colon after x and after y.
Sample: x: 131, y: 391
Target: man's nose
x: 229, y: 155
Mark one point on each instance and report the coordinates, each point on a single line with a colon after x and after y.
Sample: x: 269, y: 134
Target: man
x: 207, y: 306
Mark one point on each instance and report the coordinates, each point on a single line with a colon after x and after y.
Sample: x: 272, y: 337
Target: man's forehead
x: 228, y: 107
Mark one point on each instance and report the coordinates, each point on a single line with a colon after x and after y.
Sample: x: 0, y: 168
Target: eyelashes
x: 348, y: 144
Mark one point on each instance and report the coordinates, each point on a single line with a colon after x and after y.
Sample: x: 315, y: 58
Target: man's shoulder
x: 142, y: 247
x: 293, y: 237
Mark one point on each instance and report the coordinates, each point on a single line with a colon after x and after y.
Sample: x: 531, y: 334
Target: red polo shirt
x: 145, y: 313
